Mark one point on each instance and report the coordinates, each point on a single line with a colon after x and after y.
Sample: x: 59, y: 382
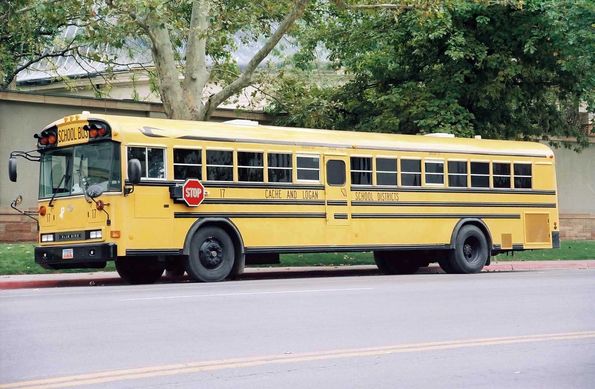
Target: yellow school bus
x: 110, y: 189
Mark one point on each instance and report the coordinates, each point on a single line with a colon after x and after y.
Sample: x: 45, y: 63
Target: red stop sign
x: 193, y: 192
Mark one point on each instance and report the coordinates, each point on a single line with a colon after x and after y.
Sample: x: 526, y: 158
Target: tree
x: 31, y: 31
x: 191, y: 42
x: 497, y: 70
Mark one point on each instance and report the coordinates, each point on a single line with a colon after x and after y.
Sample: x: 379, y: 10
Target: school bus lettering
x: 387, y: 196
x: 272, y: 194
x: 310, y: 195
x: 292, y: 194
x: 72, y: 135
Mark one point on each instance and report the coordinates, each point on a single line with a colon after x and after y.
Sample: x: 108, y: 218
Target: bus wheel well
x: 479, y: 224
x: 231, y: 230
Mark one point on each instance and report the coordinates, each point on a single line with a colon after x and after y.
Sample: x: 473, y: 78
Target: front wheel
x: 211, y: 255
x: 471, y: 251
x: 139, y: 270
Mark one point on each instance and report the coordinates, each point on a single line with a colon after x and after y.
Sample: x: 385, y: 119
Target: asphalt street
x: 512, y: 329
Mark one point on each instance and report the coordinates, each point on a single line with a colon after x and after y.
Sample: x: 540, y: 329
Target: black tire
x: 446, y: 266
x: 139, y: 270
x: 389, y: 262
x: 211, y: 255
x: 471, y: 251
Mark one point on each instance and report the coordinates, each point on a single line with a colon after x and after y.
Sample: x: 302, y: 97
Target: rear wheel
x: 389, y: 262
x: 139, y: 270
x: 211, y: 255
x: 471, y: 251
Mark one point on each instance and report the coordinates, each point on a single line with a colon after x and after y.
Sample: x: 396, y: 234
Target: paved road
x: 522, y: 329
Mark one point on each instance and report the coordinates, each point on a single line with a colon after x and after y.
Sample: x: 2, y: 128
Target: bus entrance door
x: 337, y: 181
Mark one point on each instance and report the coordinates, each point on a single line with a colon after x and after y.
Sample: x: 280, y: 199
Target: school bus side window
x: 187, y: 164
x: 250, y: 166
x: 308, y: 167
x: 152, y: 161
x: 220, y: 165
x: 280, y: 167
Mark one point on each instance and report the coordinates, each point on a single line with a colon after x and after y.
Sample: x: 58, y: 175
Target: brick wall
x: 16, y: 228
x: 577, y: 226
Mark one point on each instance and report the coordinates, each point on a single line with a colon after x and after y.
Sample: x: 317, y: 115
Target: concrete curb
x: 112, y: 278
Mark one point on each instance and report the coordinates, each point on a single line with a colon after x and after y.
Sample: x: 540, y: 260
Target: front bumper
x: 82, y: 256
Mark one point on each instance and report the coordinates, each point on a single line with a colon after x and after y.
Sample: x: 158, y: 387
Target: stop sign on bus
x: 193, y: 192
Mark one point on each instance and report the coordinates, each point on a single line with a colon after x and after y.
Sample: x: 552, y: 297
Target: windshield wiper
x: 65, y: 178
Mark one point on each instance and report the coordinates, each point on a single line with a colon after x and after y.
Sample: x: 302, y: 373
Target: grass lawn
x: 18, y: 258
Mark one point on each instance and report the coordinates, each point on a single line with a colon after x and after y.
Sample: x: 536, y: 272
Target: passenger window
x: 187, y: 164
x: 386, y: 171
x: 335, y: 173
x: 219, y: 165
x: 308, y: 168
x: 501, y: 175
x: 361, y: 171
x: 480, y: 174
x: 522, y: 175
x: 434, y: 172
x: 152, y: 161
x: 410, y: 172
x: 280, y: 167
x: 457, y: 174
x: 250, y: 166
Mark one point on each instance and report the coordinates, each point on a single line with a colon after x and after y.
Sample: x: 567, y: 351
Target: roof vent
x: 477, y: 137
x: 441, y: 135
x: 242, y: 122
x: 86, y: 113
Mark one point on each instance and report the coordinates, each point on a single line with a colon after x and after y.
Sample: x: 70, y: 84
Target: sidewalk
x: 112, y: 278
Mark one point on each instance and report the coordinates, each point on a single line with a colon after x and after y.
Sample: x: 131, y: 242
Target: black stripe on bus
x: 341, y: 216
x: 515, y: 247
x: 345, y: 146
x: 337, y: 202
x: 250, y: 215
x: 263, y: 202
x: 451, y: 190
x: 334, y: 249
x: 263, y: 185
x: 153, y: 252
x: 431, y: 216
x: 449, y: 204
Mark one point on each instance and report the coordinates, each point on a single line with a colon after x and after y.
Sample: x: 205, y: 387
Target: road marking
x: 195, y: 367
x: 247, y: 294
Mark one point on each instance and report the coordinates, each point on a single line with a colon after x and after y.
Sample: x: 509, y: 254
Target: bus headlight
x: 47, y: 237
x: 95, y: 234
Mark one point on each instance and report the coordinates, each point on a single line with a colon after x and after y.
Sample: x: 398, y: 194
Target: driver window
x: 152, y: 161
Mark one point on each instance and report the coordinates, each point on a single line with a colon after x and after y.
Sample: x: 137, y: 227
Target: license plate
x: 67, y: 253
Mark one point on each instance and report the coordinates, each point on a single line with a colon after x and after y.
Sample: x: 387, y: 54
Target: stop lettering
x: 193, y: 192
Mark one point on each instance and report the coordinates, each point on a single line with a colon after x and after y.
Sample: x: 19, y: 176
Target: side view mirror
x: 12, y: 169
x: 18, y: 201
x: 134, y: 171
x: 95, y: 190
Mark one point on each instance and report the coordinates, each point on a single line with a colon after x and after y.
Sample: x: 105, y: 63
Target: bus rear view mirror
x: 12, y: 169
x: 134, y: 171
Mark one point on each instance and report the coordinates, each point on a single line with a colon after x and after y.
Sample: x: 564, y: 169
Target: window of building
x: 335, y: 172
x: 250, y: 166
x: 522, y: 175
x: 361, y: 171
x: 187, y: 164
x: 280, y: 167
x: 434, y: 172
x: 152, y: 161
x: 308, y: 167
x: 501, y: 174
x: 457, y: 174
x: 219, y: 165
x: 386, y: 171
x: 480, y: 174
x: 410, y: 172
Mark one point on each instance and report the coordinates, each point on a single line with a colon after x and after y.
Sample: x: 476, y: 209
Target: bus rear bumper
x: 92, y: 256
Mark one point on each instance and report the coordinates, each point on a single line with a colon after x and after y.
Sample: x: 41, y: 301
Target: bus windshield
x: 71, y: 170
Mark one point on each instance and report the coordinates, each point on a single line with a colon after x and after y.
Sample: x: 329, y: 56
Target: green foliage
x: 500, y: 70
